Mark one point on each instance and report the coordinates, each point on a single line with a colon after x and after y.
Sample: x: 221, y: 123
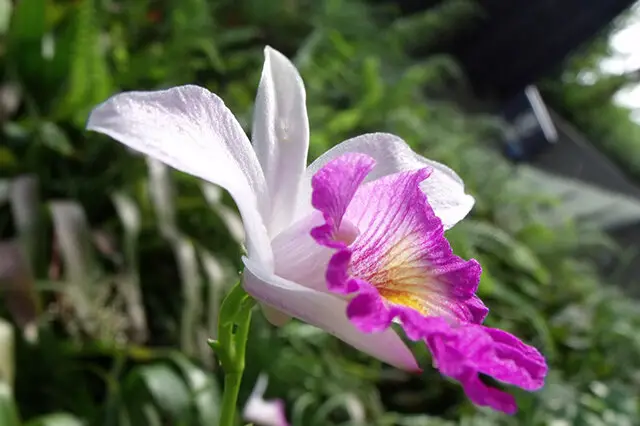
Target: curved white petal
x: 444, y: 188
x: 190, y: 129
x: 325, y: 311
x: 280, y: 135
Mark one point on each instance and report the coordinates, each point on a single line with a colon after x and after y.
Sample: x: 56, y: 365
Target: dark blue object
x: 530, y: 129
x: 513, y: 43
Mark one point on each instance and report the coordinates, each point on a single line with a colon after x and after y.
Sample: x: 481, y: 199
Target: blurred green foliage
x: 112, y: 268
x: 585, y: 92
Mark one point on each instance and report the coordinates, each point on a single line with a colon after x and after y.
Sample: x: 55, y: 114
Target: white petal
x: 444, y: 188
x: 191, y: 130
x: 324, y: 311
x: 298, y: 257
x: 280, y: 135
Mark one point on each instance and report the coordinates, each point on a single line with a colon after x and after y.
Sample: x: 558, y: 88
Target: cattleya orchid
x: 352, y: 243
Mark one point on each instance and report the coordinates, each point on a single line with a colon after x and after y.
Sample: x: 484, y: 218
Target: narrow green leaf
x: 159, y: 385
x: 5, y: 15
x: 25, y: 209
x: 57, y: 419
x: 191, y: 289
x: 7, y: 367
x: 52, y: 136
x: 74, y: 238
x: 162, y: 194
x: 18, y: 289
x: 89, y: 81
x: 28, y: 22
x: 8, y: 410
x: 216, y: 274
x: 204, y: 389
x: 129, y: 215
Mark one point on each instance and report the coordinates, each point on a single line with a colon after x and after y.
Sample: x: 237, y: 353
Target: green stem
x: 229, y: 398
x: 233, y: 332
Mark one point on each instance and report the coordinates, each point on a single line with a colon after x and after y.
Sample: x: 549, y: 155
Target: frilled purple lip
x: 394, y: 243
x: 392, y: 259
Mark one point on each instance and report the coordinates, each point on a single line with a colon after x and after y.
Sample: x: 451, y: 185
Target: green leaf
x: 8, y: 410
x: 54, y: 137
x: 345, y: 121
x: 28, y: 23
x: 204, y: 390
x: 159, y: 385
x: 5, y: 186
x: 57, y: 419
x: 502, y: 245
x: 5, y: 15
x: 27, y: 30
x: 533, y: 316
x: 25, y: 209
x: 74, y: 238
x: 129, y: 214
x: 7, y: 367
x: 89, y: 81
x: 7, y: 159
x: 21, y: 299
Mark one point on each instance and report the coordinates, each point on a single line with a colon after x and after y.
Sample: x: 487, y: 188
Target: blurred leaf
x: 28, y: 21
x: 89, y: 81
x: 160, y: 385
x: 7, y: 363
x: 5, y: 15
x: 5, y: 186
x: 527, y: 310
x: 25, y: 209
x: 433, y: 23
x: 10, y: 96
x: 204, y: 391
x: 217, y: 278
x: 8, y: 411
x: 162, y: 195
x: 213, y: 195
x: 129, y: 215
x: 24, y: 42
x: 7, y: 160
x: 499, y: 242
x: 74, y: 238
x: 54, y: 137
x: 191, y: 292
x: 56, y: 419
x: 17, y: 288
x: 344, y: 120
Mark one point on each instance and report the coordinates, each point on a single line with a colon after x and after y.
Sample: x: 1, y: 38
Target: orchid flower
x: 352, y: 243
x: 262, y: 412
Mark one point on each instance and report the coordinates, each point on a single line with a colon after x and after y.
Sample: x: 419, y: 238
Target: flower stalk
x: 231, y: 345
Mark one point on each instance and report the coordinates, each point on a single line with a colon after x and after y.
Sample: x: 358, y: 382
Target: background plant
x: 112, y: 267
x: 585, y: 92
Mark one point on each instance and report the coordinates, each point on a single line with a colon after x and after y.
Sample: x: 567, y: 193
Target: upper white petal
x: 280, y: 135
x: 190, y: 129
x: 444, y: 188
x: 325, y: 311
